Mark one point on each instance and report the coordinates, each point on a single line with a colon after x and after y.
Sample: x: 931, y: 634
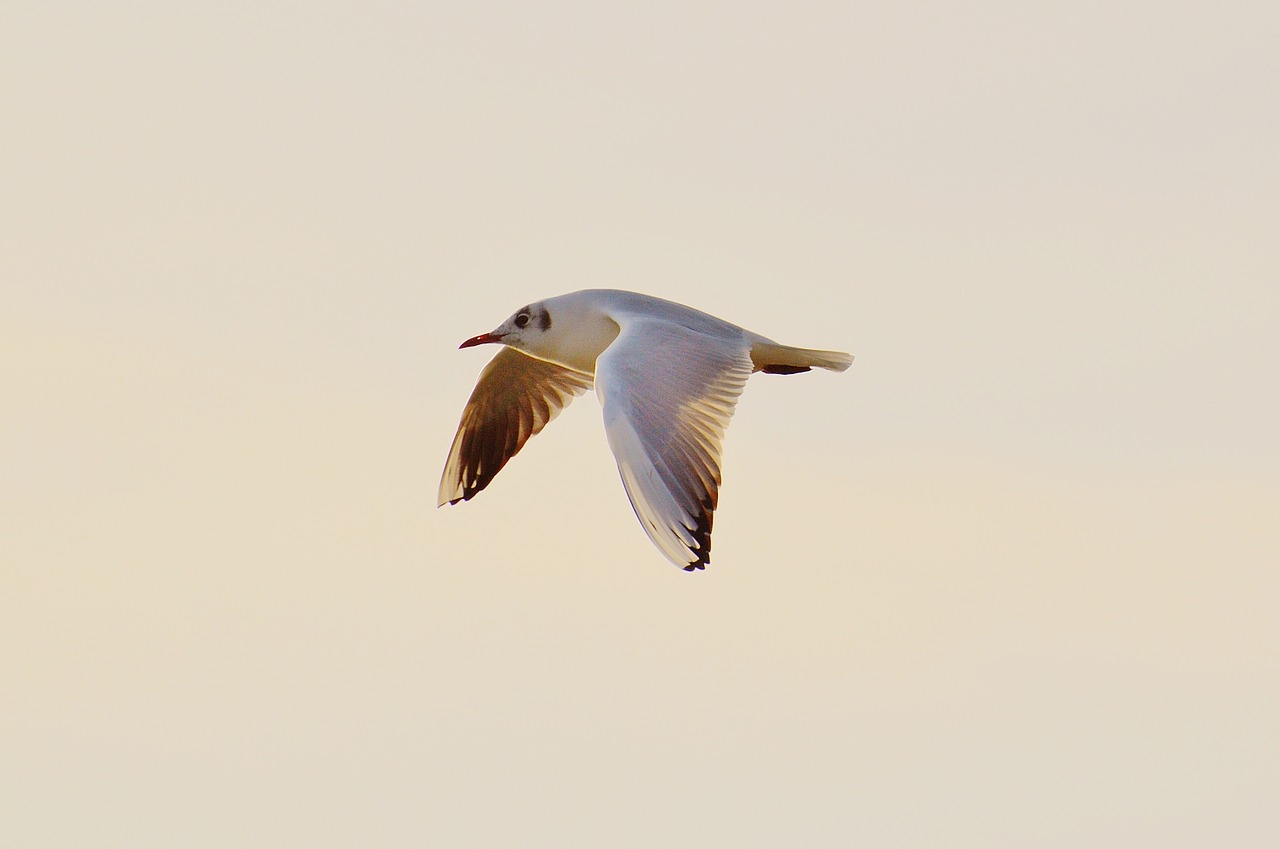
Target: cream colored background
x: 1011, y: 581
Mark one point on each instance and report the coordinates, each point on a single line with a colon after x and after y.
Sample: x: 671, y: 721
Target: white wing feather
x: 668, y: 393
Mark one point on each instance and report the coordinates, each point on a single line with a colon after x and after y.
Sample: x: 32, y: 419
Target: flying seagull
x: 668, y: 377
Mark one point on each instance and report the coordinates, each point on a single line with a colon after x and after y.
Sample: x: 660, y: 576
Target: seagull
x: 667, y: 376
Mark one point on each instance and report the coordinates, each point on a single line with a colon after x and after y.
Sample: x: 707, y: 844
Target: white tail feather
x: 770, y: 356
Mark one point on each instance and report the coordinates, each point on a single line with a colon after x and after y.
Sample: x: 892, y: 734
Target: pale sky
x: 1010, y: 581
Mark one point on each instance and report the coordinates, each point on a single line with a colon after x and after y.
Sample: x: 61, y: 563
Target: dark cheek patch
x: 544, y: 320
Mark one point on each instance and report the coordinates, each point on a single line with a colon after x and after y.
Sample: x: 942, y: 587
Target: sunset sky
x: 1010, y: 581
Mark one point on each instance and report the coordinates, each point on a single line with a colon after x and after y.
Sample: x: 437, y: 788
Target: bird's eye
x: 522, y: 319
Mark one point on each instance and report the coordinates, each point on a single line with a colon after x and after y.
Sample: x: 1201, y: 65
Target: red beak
x: 482, y: 339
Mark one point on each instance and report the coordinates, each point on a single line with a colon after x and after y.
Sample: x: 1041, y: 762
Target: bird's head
x: 569, y: 330
x: 526, y: 330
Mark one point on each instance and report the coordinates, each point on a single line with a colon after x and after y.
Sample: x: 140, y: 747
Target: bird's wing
x: 514, y: 399
x: 668, y: 393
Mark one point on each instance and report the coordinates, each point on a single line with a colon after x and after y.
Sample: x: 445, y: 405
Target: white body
x: 668, y: 377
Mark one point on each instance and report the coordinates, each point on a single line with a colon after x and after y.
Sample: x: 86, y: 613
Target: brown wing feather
x: 514, y: 399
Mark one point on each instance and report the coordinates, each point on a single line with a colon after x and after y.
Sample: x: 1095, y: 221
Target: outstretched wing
x: 668, y: 393
x: 514, y: 399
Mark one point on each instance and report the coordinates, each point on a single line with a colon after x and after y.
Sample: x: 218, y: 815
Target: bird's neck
x: 577, y: 336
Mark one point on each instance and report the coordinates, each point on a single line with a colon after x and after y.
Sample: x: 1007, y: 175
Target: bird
x: 668, y: 378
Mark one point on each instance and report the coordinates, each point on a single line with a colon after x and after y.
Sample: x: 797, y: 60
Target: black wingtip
x: 702, y: 537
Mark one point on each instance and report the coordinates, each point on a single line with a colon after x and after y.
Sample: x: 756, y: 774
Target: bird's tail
x: 771, y: 358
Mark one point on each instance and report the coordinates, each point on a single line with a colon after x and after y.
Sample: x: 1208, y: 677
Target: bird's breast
x: 578, y: 344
